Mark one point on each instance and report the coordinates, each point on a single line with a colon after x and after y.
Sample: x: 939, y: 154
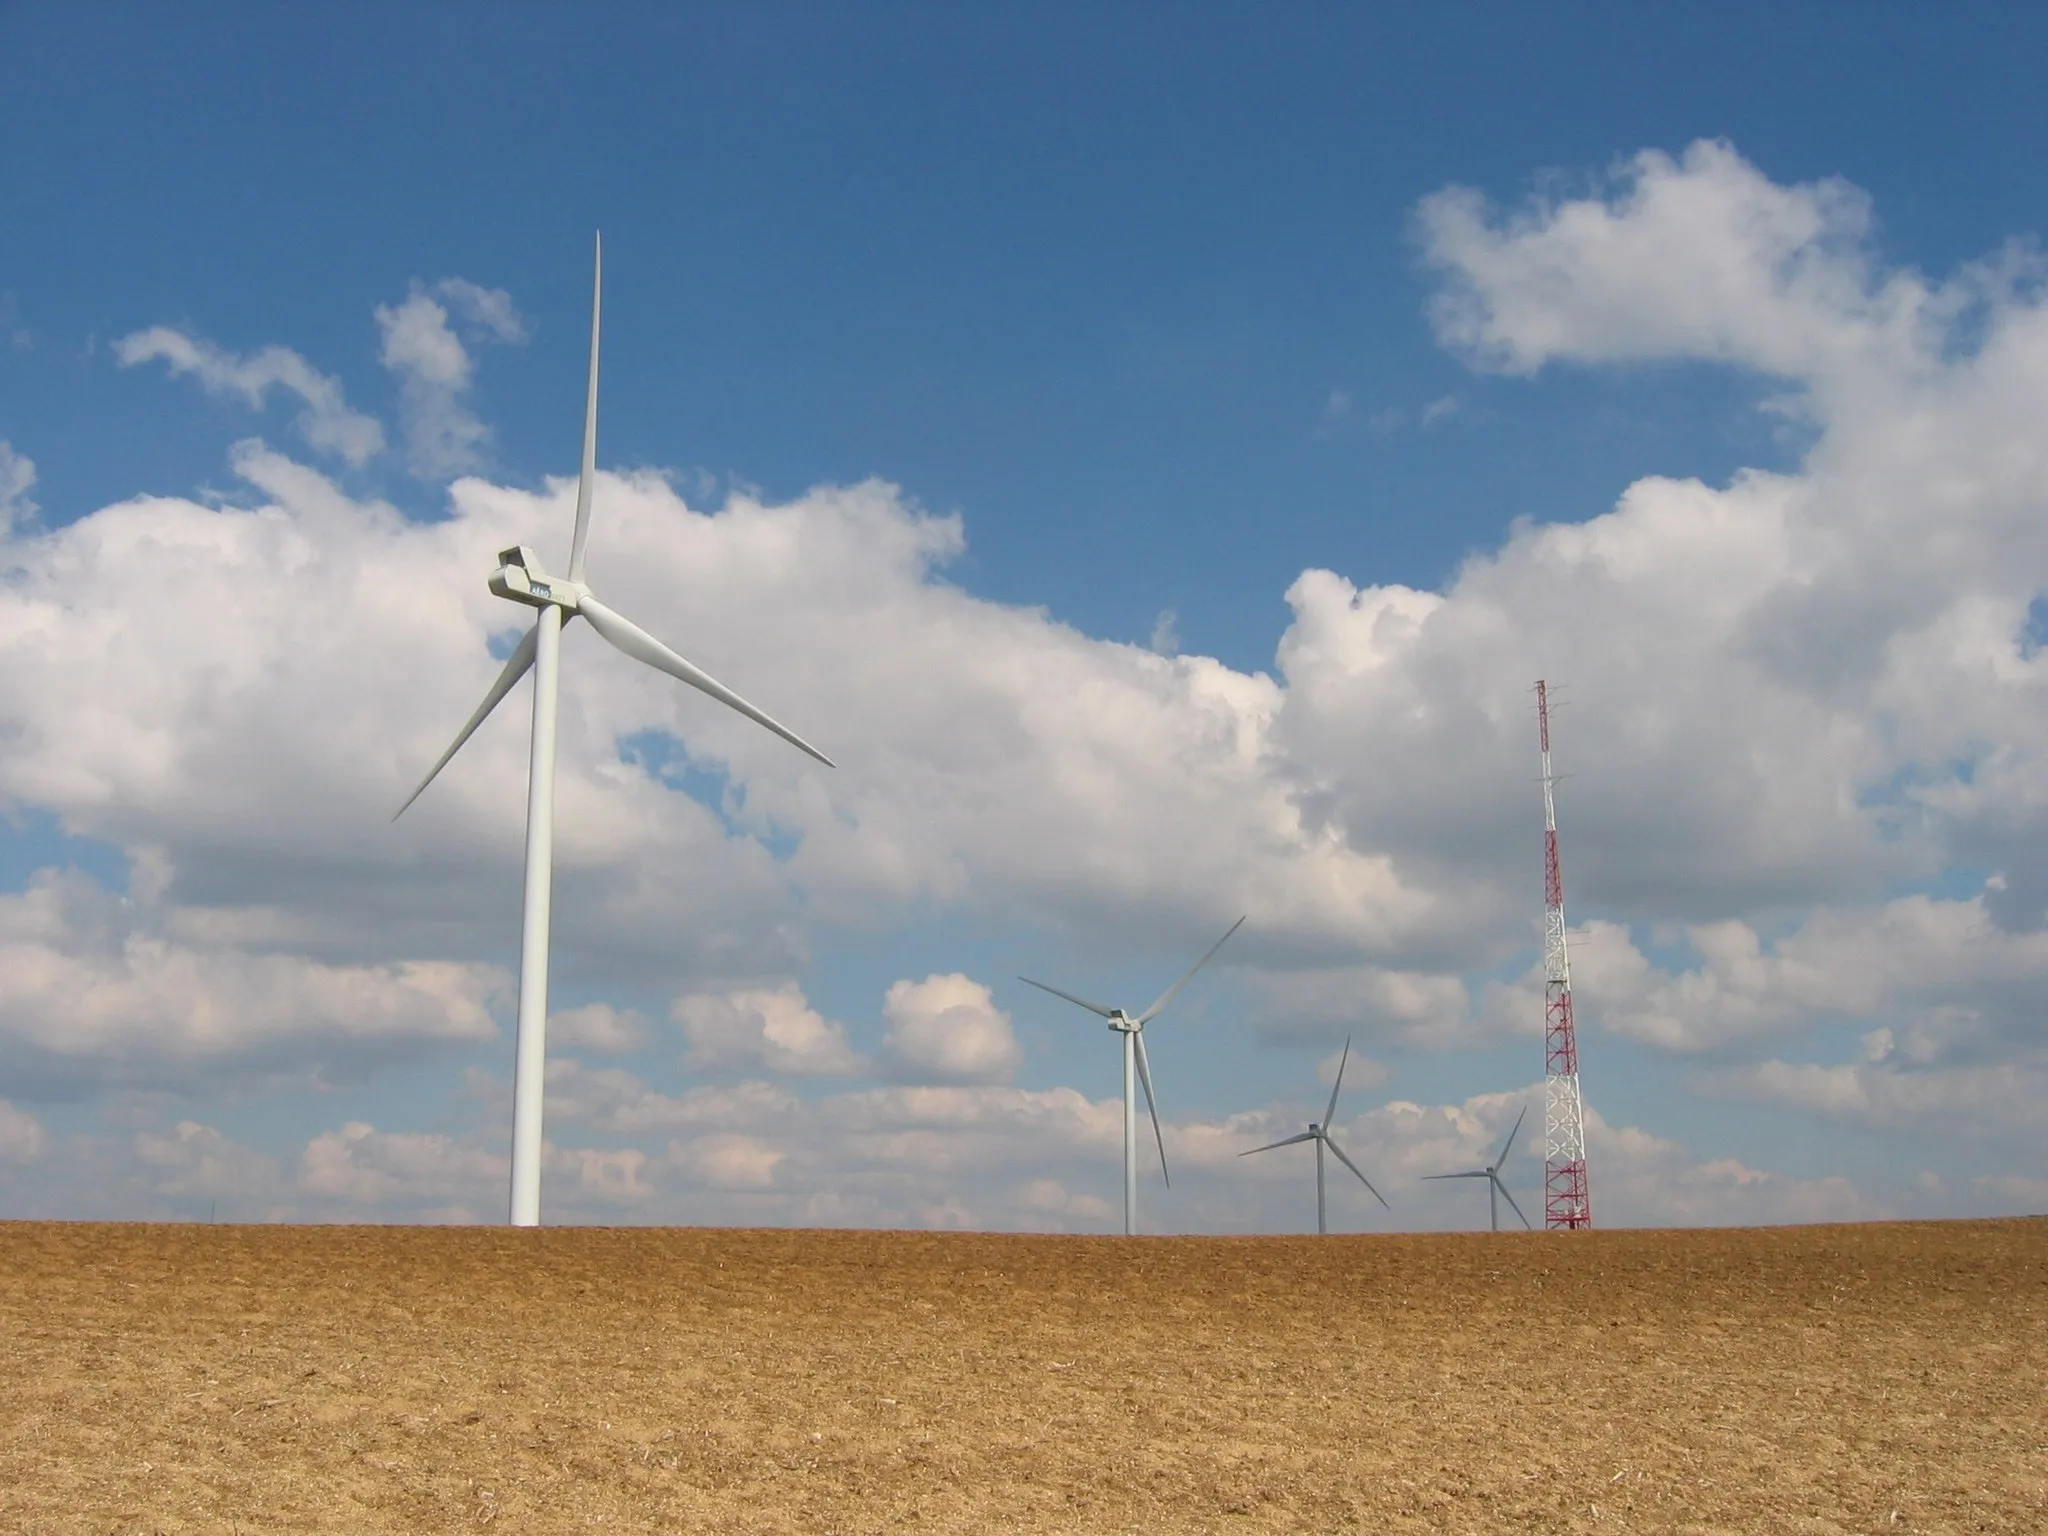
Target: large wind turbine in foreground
x: 1320, y: 1135
x: 1133, y: 1031
x: 1491, y: 1173
x: 521, y: 578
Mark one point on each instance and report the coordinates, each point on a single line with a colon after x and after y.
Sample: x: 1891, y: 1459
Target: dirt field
x: 224, y: 1379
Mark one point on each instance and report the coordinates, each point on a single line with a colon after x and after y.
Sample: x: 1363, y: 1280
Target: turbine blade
x: 1290, y: 1141
x: 1145, y: 1077
x: 515, y: 668
x: 641, y: 646
x: 1477, y: 1173
x: 1079, y: 1002
x: 1511, y: 1201
x: 1509, y: 1145
x: 1173, y: 991
x: 1330, y: 1114
x: 587, y: 478
x: 1354, y: 1168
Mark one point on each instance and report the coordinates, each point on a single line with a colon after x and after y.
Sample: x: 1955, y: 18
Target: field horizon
x: 185, y: 1378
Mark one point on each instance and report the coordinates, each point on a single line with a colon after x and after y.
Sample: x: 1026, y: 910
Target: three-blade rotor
x: 1321, y: 1133
x: 521, y: 579
x: 1491, y: 1172
x: 1124, y: 1023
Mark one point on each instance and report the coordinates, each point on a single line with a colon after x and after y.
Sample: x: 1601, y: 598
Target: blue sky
x: 1156, y: 306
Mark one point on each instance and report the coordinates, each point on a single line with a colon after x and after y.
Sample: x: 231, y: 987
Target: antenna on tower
x: 1565, y: 1202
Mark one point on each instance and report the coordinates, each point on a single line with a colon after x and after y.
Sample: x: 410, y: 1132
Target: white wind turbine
x: 1491, y: 1173
x: 1133, y: 1031
x: 1320, y: 1135
x: 560, y: 599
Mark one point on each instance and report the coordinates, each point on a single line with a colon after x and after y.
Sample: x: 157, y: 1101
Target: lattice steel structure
x: 1565, y: 1201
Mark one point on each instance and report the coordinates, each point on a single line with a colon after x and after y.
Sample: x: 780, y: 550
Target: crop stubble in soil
x: 391, y: 1379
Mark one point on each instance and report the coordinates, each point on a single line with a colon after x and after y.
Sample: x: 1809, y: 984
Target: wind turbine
x: 521, y: 578
x: 1320, y: 1135
x: 1491, y: 1173
x: 1133, y: 1031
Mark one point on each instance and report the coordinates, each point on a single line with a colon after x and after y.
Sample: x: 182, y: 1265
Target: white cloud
x: 193, y: 1160
x: 1360, y: 1072
x: 1698, y: 257
x: 1933, y: 983
x: 597, y: 1027
x: 616, y: 1102
x: 326, y: 422
x: 762, y: 1028
x: 616, y: 1176
x: 361, y: 1167
x: 490, y: 308
x: 726, y: 1161
x: 444, y: 436
x: 98, y: 990
x: 949, y: 1027
x: 17, y: 479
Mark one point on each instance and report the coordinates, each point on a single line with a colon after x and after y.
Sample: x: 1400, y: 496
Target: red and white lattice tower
x: 1565, y: 1202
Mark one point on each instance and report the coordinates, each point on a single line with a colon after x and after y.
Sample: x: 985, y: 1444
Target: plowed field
x: 256, y: 1380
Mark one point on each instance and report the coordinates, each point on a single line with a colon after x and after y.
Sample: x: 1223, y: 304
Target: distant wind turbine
x: 1491, y: 1173
x: 520, y: 578
x: 1133, y: 1031
x: 1320, y: 1135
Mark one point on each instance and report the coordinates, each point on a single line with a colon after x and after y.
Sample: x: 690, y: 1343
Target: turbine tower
x: 1491, y: 1173
x: 521, y: 578
x: 1133, y: 1031
x: 1565, y: 1201
x: 1320, y: 1135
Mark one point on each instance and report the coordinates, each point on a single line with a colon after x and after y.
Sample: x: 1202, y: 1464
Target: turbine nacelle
x: 1121, y: 1023
x: 521, y: 578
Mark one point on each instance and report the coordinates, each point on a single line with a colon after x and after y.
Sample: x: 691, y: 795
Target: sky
x: 1155, y: 456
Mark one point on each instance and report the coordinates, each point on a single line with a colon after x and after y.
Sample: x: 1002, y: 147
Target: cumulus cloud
x: 443, y: 434
x: 193, y: 1160
x: 614, y: 1176
x: 756, y: 1028
x: 617, y: 1102
x: 98, y: 990
x: 363, y: 1168
x: 326, y: 423
x: 598, y: 1027
x: 949, y: 1027
x: 490, y: 309
x: 1701, y: 256
x: 1942, y: 979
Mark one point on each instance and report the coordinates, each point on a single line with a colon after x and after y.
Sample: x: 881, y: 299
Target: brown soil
x: 224, y: 1379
